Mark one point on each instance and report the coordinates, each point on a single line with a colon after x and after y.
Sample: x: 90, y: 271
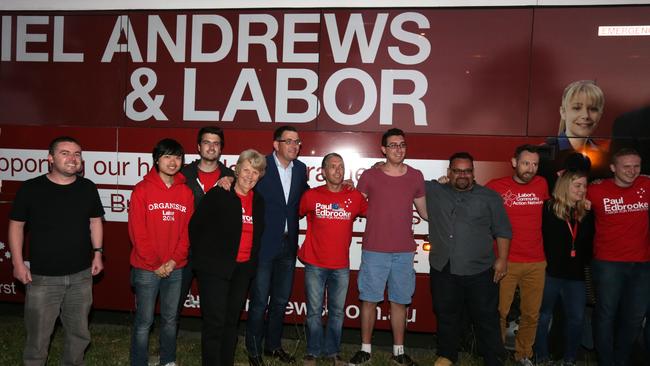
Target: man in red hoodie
x: 159, y: 213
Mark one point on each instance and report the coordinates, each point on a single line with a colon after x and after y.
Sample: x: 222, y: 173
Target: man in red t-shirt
x: 523, y: 197
x: 621, y: 265
x: 331, y: 210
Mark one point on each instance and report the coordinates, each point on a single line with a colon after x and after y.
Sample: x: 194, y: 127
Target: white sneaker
x: 170, y: 364
x: 525, y: 362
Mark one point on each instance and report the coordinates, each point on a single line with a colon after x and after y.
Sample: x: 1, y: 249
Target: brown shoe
x: 309, y: 360
x: 338, y: 361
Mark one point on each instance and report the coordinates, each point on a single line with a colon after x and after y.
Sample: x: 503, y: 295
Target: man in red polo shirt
x: 523, y: 197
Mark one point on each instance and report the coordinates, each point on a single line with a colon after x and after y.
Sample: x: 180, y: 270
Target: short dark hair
x: 59, y: 140
x: 327, y: 157
x: 461, y: 155
x: 213, y: 130
x: 277, y: 134
x: 534, y: 149
x: 624, y: 152
x: 389, y: 133
x: 167, y: 147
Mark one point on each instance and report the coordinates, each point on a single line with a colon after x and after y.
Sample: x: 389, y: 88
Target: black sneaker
x: 360, y: 358
x: 255, y: 361
x: 403, y: 360
x: 280, y: 355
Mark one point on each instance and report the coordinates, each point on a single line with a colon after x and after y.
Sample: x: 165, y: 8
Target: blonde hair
x: 561, y: 205
x: 257, y: 160
x: 591, y: 90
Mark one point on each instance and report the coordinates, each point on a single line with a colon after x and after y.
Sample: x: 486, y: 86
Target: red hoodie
x: 158, y: 220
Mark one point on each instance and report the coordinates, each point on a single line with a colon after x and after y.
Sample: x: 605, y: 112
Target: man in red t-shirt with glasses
x: 621, y: 264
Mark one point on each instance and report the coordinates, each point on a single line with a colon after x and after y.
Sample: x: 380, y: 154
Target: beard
x: 462, y: 184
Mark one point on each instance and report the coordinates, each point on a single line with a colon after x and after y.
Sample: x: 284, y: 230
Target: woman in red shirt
x: 225, y: 233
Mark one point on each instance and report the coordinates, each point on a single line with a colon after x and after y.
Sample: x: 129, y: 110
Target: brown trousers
x: 530, y: 279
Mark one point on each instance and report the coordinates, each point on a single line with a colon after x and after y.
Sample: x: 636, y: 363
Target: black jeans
x: 452, y: 294
x: 222, y: 300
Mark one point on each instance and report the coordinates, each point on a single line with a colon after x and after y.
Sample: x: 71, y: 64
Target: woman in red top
x: 225, y: 234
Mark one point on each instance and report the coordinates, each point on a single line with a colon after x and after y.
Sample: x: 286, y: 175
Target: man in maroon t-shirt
x: 523, y: 197
x: 621, y: 264
x: 388, y: 244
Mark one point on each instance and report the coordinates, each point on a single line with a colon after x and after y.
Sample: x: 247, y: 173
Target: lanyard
x: 574, y: 234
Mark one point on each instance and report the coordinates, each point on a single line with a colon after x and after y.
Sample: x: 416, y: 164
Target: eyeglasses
x: 296, y: 142
x: 394, y: 146
x: 211, y: 143
x: 462, y: 171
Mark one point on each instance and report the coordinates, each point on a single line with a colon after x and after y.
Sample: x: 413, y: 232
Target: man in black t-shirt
x: 62, y: 213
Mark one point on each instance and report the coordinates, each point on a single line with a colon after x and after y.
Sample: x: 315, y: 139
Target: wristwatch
x: 101, y: 250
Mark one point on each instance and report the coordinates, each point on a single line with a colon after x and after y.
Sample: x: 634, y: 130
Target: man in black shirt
x: 63, y: 214
x: 464, y: 219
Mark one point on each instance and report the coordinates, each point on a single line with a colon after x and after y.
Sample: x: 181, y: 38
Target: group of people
x: 237, y: 232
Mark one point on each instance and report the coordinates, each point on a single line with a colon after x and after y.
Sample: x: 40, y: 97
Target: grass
x: 110, y: 346
x: 111, y: 340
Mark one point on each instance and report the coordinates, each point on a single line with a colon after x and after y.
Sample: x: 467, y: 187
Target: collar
x: 279, y: 165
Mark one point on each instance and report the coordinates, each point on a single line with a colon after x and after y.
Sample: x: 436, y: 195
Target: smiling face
x: 334, y: 170
x: 577, y: 190
x: 247, y: 177
x: 169, y: 165
x: 581, y: 115
x: 461, y: 174
x: 210, y: 147
x: 626, y: 169
x: 287, y: 150
x: 66, y: 160
x: 395, y: 149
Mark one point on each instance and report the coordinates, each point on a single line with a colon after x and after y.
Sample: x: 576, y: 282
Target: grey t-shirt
x: 463, y: 226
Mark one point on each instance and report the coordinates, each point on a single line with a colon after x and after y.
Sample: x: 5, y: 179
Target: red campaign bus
x: 482, y: 76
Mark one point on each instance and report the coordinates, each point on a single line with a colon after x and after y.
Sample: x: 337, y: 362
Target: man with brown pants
x: 523, y: 197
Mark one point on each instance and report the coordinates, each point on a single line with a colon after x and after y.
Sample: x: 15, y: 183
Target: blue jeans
x: 574, y: 298
x: 336, y: 281
x: 622, y: 296
x: 46, y: 298
x: 274, y: 278
x: 146, y: 285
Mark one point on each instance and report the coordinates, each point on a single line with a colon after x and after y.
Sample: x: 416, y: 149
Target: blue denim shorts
x: 380, y: 270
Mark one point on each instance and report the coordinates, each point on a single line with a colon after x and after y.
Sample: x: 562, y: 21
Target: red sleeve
x: 546, y: 193
x: 144, y: 249
x: 182, y: 249
x: 305, y: 204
